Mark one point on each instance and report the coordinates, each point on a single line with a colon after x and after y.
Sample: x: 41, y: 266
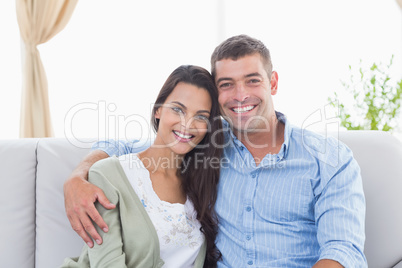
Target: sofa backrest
x: 54, y: 235
x: 17, y: 202
x: 35, y: 232
x: 379, y: 155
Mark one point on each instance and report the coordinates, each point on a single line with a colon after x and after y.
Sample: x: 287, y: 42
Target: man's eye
x: 254, y: 81
x: 224, y: 85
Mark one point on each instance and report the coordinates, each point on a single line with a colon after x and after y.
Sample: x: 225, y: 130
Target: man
x: 281, y: 203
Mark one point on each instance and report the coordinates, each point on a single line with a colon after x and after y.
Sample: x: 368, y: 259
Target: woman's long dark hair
x: 200, y: 176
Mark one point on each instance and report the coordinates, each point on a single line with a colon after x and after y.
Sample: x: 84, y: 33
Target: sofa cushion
x: 399, y: 265
x: 54, y: 236
x: 17, y: 202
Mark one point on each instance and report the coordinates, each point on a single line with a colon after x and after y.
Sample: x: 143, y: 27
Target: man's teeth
x: 181, y: 135
x: 243, y: 109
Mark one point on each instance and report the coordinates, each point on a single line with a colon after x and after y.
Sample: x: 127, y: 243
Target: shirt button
x: 248, y: 209
x: 253, y: 176
x: 248, y: 237
x: 250, y: 262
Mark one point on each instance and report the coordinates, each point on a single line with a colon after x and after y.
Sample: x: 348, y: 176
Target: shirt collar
x: 288, y: 130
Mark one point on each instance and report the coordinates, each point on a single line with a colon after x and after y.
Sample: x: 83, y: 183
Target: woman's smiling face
x: 183, y: 118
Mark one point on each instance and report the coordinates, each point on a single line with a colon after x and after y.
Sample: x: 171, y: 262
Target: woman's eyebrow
x: 180, y: 104
x: 203, y: 111
x: 184, y: 107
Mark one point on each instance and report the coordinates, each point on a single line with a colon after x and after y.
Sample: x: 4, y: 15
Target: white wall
x: 10, y: 71
x: 115, y: 57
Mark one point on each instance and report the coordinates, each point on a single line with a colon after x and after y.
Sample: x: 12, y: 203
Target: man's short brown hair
x: 239, y: 46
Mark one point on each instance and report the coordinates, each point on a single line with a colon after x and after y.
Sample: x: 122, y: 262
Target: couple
x: 278, y: 202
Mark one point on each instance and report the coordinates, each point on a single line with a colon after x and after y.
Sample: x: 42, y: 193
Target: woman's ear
x: 158, y: 113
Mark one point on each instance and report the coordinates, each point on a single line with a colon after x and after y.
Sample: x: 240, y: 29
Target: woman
x: 164, y: 195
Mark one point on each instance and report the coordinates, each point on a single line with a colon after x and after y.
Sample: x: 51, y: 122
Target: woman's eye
x: 177, y: 109
x: 201, y: 117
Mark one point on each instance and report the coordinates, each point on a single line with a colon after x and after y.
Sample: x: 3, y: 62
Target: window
x: 106, y: 67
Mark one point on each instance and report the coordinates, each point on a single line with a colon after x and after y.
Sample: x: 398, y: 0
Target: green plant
x: 376, y: 99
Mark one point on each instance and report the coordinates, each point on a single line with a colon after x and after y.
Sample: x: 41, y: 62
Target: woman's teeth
x: 243, y: 109
x: 183, y: 136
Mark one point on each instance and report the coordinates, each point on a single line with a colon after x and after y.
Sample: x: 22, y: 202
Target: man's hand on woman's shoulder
x: 79, y: 199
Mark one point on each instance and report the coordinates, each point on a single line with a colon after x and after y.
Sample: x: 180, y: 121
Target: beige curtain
x: 39, y: 21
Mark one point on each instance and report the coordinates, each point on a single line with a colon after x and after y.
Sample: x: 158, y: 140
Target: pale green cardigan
x: 132, y: 240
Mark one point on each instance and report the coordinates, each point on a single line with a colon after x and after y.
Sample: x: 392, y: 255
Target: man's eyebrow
x: 230, y: 79
x: 222, y: 79
x: 253, y: 74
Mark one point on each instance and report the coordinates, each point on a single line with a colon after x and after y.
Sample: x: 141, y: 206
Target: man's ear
x: 274, y: 83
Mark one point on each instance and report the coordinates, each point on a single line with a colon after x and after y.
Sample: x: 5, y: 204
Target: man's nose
x: 241, y: 93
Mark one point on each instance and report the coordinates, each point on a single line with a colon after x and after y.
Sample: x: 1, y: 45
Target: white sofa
x: 34, y: 231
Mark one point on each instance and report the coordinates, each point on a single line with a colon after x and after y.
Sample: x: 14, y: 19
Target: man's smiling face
x: 245, y: 92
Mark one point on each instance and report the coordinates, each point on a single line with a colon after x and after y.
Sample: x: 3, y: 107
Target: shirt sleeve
x: 110, y: 253
x: 340, y: 209
x: 120, y: 147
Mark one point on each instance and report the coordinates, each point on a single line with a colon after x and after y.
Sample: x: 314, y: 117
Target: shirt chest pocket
x: 287, y: 200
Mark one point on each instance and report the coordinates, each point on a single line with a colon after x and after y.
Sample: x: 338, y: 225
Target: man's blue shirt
x: 296, y: 207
